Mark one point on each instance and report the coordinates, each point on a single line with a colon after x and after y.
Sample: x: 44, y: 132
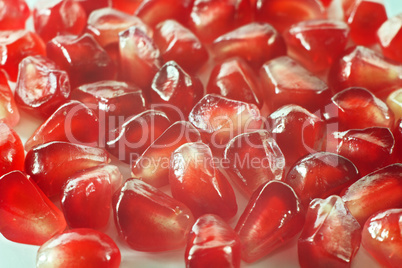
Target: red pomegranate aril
x: 389, y: 36
x: 54, y: 17
x: 297, y: 132
x: 51, y: 164
x: 149, y: 220
x: 178, y: 43
x: 153, y: 165
x: 27, y: 215
x: 254, y: 159
x: 330, y: 237
x: 212, y: 243
x: 175, y: 92
x: 82, y: 58
x: 14, y: 14
x: 128, y: 141
x: 12, y: 154
x: 305, y: 42
x: 17, y: 45
x: 365, y: 17
x: 284, y: 13
x: 358, y: 108
x: 72, y: 122
x: 363, y: 67
x: 320, y: 175
x: 140, y: 59
x: 394, y: 102
x: 381, y: 237
x: 376, y: 191
x: 255, y: 42
x: 91, y: 5
x: 41, y: 87
x: 86, y: 197
x: 9, y: 113
x: 79, y: 248
x: 369, y: 149
x: 196, y: 181
x: 220, y: 119
x: 210, y: 18
x: 396, y: 156
x: 153, y: 12
x: 285, y: 81
x: 127, y: 6
x: 234, y: 79
x: 273, y: 216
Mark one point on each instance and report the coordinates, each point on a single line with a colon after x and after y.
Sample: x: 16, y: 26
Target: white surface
x: 13, y: 255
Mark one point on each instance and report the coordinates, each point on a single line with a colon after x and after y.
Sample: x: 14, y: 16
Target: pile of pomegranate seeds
x: 226, y: 132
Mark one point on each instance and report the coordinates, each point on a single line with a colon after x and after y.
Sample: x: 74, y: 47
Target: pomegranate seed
x: 254, y: 159
x: 196, y: 181
x: 127, y: 6
x: 87, y: 196
x: 284, y: 13
x: 381, y: 237
x: 82, y: 58
x: 394, y: 102
x: 55, y: 17
x: 139, y: 57
x: 320, y: 175
x: 379, y: 190
x: 389, y: 37
x: 175, y: 92
x: 79, y: 248
x: 148, y: 219
x: 330, y: 237
x: 9, y: 113
x: 51, y: 164
x: 128, y: 141
x: 153, y: 165
x: 12, y: 154
x: 397, y: 152
x: 273, y: 217
x: 234, y: 79
x: 17, y: 45
x: 41, y: 87
x: 212, y: 243
x: 267, y: 44
x: 286, y: 82
x: 363, y: 67
x: 297, y: 132
x: 91, y: 5
x: 14, y: 14
x: 72, y: 122
x: 178, y: 43
x: 365, y: 17
x: 369, y: 149
x: 305, y: 42
x: 27, y: 215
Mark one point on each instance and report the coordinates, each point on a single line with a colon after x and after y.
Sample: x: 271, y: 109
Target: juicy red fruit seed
x: 330, y: 237
x: 51, y: 164
x: 41, y: 87
x: 9, y: 113
x: 12, y: 154
x: 149, y: 220
x: 273, y: 217
x: 27, y: 215
x: 381, y: 237
x: 153, y: 165
x: 86, y: 197
x: 79, y: 248
x: 72, y: 122
x: 379, y: 190
x: 128, y: 6
x: 14, y: 14
x: 320, y: 175
x: 390, y: 38
x: 254, y: 159
x: 197, y: 182
x: 55, y: 17
x: 175, y: 92
x: 82, y: 58
x: 266, y: 42
x: 92, y: 5
x: 212, y: 243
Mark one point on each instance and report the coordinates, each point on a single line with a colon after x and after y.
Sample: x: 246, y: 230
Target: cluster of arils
x: 299, y: 111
